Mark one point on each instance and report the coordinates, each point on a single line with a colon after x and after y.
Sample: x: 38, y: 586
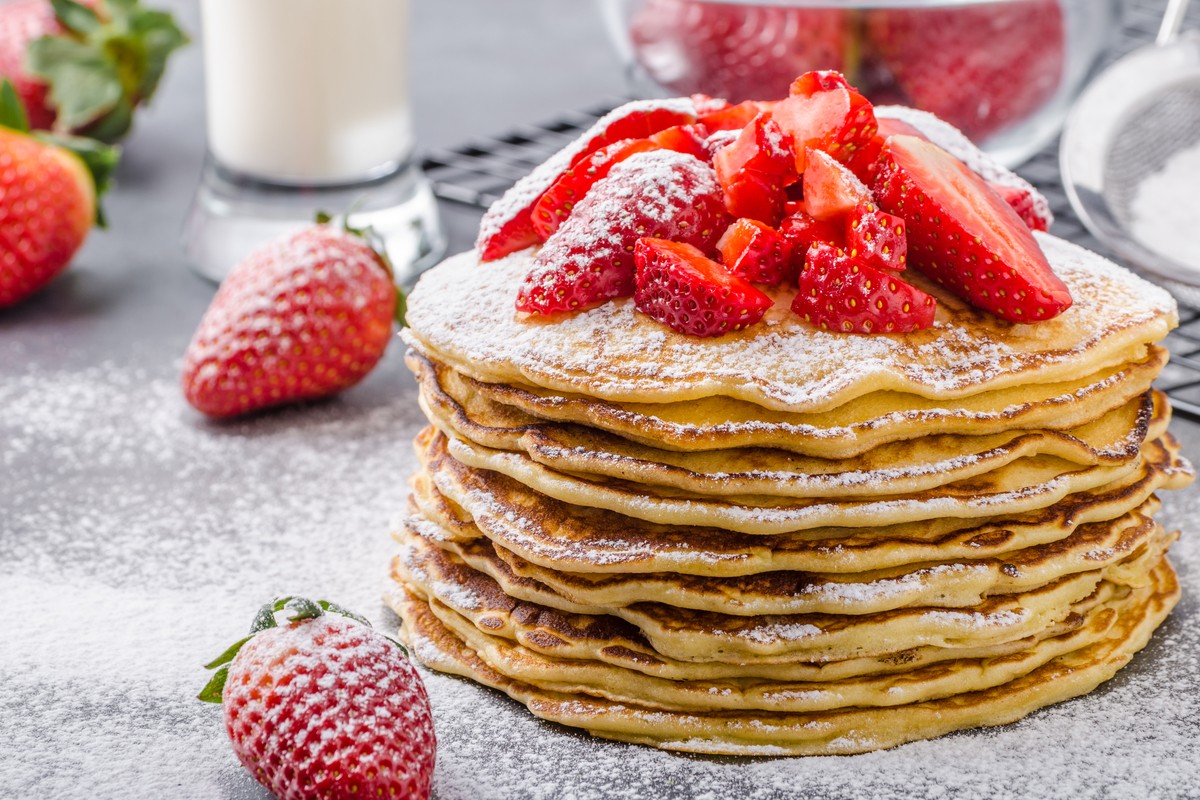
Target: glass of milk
x: 308, y: 110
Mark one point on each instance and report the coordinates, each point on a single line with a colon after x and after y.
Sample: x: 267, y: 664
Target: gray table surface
x: 136, y: 538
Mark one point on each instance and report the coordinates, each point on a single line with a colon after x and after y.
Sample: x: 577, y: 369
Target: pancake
x: 927, y: 682
x: 565, y: 537
x: 905, y: 467
x: 784, y: 541
x: 847, y: 430
x: 957, y: 584
x: 851, y: 730
x: 461, y: 314
x: 688, y: 635
x: 1023, y: 486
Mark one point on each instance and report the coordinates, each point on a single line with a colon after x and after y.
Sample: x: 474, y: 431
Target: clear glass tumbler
x: 307, y: 110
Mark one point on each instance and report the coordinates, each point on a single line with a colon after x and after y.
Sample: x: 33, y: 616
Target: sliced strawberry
x: 838, y: 293
x: 865, y: 161
x: 1025, y: 203
x: 589, y: 259
x: 689, y: 293
x: 556, y: 203
x: 755, y: 252
x: 837, y: 119
x: 831, y: 190
x: 876, y: 239
x: 802, y: 231
x: 508, y: 225
x: 1030, y: 204
x: 690, y: 139
x: 734, y: 118
x: 638, y: 124
x: 761, y: 147
x: 963, y: 235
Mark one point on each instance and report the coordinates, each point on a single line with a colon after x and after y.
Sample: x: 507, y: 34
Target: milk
x: 307, y: 92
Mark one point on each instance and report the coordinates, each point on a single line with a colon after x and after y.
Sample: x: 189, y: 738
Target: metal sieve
x: 1131, y: 120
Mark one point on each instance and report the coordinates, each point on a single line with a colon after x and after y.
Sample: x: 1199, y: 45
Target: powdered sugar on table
x: 117, y: 590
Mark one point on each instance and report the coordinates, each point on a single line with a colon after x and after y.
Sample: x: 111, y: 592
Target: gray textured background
x: 136, y: 539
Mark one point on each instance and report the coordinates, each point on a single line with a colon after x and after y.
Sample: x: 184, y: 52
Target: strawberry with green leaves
x: 85, y: 67
x: 303, y: 317
x: 323, y: 705
x: 50, y: 185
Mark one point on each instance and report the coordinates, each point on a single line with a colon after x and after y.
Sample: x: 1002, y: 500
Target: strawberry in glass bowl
x: 1003, y: 71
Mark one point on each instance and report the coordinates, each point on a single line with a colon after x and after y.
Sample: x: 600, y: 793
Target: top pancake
x: 462, y: 314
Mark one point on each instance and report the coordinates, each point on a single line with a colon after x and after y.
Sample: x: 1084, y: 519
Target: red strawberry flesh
x: 838, y: 293
x: 689, y: 293
x: 802, y: 231
x: 838, y: 121
x: 876, y: 238
x: 755, y: 252
x: 965, y: 236
x: 831, y: 190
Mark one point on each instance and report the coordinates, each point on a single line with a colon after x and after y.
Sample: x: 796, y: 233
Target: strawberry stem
x: 376, y: 242
x: 300, y: 608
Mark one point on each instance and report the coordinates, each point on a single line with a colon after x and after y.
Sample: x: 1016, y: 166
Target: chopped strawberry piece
x: 876, y: 239
x: 508, y: 225
x: 963, y: 235
x: 690, y: 139
x: 756, y: 253
x: 733, y: 118
x: 556, y: 203
x: 837, y: 119
x: 589, y: 259
x: 831, y: 190
x: 689, y: 293
x: 838, y: 293
x: 760, y: 147
x: 802, y: 231
x: 820, y: 80
x: 756, y: 196
x: 1025, y: 203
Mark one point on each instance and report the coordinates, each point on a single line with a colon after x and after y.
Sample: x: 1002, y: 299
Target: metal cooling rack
x: 478, y: 172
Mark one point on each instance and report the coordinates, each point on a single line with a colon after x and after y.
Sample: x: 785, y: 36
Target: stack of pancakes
x: 785, y: 541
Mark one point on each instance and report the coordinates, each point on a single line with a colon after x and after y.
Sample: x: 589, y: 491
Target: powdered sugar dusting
x: 1165, y: 215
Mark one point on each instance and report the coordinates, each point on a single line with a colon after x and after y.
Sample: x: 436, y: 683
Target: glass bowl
x: 1004, y: 71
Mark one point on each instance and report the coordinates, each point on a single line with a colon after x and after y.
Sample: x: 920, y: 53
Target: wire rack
x: 478, y: 172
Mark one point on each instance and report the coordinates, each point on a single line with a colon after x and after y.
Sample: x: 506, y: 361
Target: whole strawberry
x: 84, y: 67
x: 49, y: 187
x: 325, y: 706
x: 303, y: 317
